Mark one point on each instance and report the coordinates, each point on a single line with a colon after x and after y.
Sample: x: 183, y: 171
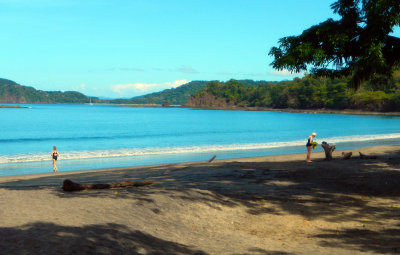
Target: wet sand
x: 264, y: 205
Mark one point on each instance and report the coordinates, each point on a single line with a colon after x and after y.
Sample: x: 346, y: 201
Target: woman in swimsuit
x: 309, y: 146
x: 55, y: 154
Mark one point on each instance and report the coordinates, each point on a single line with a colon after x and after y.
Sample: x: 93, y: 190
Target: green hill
x: 11, y: 92
x: 175, y: 96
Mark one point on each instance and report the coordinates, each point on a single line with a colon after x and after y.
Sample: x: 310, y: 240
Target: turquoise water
x: 102, y: 136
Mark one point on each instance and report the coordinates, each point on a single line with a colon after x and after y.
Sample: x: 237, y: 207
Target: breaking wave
x: 72, y: 155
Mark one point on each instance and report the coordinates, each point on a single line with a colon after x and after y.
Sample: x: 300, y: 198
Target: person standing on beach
x: 309, y: 146
x: 55, y: 155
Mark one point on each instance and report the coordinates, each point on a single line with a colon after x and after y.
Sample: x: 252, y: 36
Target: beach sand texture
x: 265, y: 205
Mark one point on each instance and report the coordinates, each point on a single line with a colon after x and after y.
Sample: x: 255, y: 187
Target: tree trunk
x: 328, y: 150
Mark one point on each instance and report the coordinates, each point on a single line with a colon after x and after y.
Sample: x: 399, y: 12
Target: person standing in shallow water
x: 309, y: 146
x: 55, y: 155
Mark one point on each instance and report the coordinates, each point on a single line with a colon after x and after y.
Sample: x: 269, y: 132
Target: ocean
x: 106, y: 136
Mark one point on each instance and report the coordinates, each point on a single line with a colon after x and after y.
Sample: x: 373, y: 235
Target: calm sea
x: 103, y: 136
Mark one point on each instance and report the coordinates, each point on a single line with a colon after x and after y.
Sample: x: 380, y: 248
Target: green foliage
x: 357, y: 45
x: 371, y: 100
x: 307, y: 93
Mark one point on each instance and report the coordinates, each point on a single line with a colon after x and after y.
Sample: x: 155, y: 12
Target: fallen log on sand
x: 69, y: 185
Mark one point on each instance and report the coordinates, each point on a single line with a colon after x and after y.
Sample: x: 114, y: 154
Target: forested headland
x: 11, y: 92
x: 379, y: 94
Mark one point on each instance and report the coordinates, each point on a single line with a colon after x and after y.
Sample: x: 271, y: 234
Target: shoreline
x: 13, y: 107
x: 315, y: 111
x: 233, y: 108
x: 318, y: 156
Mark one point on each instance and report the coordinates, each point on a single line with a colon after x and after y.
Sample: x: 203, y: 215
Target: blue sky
x: 126, y: 48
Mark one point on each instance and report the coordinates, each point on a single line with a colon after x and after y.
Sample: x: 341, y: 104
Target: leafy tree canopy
x: 306, y: 93
x: 359, y: 44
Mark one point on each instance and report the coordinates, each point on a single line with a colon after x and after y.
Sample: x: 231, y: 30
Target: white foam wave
x: 361, y: 138
x: 71, y: 155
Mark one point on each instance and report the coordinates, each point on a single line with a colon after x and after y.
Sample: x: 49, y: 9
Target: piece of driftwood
x: 347, y: 155
x: 211, y: 159
x: 69, y: 185
x: 328, y: 150
x: 363, y: 156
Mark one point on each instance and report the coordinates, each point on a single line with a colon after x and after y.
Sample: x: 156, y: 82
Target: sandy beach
x: 264, y: 205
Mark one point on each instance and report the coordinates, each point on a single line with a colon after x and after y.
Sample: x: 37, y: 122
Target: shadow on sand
x: 334, y: 191
x: 48, y: 238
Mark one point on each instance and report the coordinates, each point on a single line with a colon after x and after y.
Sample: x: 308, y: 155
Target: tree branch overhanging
x: 358, y: 44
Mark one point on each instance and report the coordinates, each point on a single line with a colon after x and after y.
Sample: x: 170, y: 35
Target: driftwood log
x: 347, y: 155
x: 328, y: 150
x: 69, y: 185
x: 211, y: 159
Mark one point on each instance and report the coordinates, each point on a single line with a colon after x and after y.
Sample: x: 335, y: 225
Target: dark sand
x: 265, y: 205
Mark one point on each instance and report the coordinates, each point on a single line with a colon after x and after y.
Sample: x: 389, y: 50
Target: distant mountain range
x: 12, y: 92
x: 305, y: 93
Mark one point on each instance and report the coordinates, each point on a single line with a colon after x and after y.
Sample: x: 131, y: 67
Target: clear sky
x: 126, y: 48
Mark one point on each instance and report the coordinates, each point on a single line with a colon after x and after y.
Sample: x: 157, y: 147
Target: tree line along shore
x: 308, y: 93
